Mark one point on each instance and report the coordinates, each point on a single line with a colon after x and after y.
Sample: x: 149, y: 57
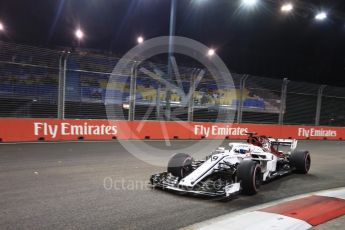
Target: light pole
x: 170, y: 56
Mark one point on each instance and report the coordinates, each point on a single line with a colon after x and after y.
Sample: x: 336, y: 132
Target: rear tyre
x: 249, y: 175
x: 180, y: 165
x: 300, y: 161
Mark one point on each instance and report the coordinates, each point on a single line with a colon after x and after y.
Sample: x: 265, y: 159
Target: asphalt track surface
x: 61, y: 186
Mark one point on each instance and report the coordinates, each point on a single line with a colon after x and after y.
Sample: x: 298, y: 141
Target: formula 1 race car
x: 239, y: 167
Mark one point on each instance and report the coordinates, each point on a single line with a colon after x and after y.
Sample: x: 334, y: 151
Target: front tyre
x: 180, y: 165
x: 249, y: 175
x: 300, y: 161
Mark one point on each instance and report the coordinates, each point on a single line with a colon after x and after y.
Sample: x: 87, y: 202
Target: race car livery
x: 235, y: 168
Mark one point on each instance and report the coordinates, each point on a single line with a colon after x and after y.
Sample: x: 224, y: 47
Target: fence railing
x: 42, y: 83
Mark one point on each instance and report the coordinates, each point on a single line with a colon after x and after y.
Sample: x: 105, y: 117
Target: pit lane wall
x: 17, y: 130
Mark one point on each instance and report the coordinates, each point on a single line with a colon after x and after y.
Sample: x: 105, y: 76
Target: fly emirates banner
x: 54, y: 129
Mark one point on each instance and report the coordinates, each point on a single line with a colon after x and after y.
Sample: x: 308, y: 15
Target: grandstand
x: 30, y: 79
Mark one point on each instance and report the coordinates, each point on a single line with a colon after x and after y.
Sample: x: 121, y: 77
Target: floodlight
x: 288, y: 7
x: 249, y: 2
x: 140, y: 39
x: 211, y: 52
x: 321, y: 16
x: 79, y: 34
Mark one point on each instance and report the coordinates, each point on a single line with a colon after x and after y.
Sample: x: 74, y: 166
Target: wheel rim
x: 185, y: 169
x: 257, y: 178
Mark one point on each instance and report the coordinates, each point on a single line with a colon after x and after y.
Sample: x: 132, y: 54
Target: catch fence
x: 42, y: 83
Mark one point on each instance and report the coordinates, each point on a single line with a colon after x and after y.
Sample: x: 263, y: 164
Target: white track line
x: 84, y: 141
x: 120, y: 140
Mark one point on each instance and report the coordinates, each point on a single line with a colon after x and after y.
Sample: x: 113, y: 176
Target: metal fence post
x: 62, y: 85
x: 191, y: 99
x: 132, y: 92
x: 158, y: 102
x: 240, y: 101
x: 283, y: 101
x: 319, y: 104
x: 167, y: 103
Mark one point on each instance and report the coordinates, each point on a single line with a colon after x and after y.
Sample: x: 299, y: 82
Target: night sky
x: 260, y: 41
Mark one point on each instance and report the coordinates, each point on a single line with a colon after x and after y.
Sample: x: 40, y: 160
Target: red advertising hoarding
x: 14, y: 130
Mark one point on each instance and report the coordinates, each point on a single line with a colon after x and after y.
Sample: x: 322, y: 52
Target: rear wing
x: 292, y: 143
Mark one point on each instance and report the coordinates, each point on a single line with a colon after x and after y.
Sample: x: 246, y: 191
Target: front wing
x: 166, y: 181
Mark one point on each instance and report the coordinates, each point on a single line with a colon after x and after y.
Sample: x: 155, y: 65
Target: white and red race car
x: 238, y: 167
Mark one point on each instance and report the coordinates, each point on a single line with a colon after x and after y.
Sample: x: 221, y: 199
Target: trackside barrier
x: 17, y: 130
